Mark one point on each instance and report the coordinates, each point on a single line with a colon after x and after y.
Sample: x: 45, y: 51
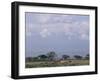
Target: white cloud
x: 80, y: 29
x: 43, y: 18
x: 44, y: 33
x: 52, y: 24
x: 84, y: 37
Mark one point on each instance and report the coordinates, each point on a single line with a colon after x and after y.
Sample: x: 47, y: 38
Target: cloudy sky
x: 62, y: 33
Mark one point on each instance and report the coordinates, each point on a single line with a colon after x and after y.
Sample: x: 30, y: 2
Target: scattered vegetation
x: 51, y: 60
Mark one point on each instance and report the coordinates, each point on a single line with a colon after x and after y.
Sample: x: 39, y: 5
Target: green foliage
x: 51, y: 55
x: 49, y: 60
x: 42, y: 57
x: 78, y: 57
x: 64, y: 57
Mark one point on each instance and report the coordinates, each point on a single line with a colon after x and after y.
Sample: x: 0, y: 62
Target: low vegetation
x: 51, y: 60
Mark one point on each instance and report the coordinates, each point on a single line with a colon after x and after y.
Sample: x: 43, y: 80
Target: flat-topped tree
x: 42, y: 57
x: 78, y: 57
x: 51, y: 55
x: 65, y: 57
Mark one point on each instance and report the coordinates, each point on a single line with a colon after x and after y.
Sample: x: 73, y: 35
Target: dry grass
x: 72, y: 62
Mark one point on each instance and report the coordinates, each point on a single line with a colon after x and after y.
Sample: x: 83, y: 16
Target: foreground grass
x: 72, y: 62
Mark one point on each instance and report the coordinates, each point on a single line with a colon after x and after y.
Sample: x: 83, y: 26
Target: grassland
x: 69, y: 62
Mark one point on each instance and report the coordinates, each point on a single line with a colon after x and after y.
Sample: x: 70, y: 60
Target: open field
x: 70, y: 62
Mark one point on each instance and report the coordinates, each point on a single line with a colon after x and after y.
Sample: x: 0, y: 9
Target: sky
x: 63, y: 33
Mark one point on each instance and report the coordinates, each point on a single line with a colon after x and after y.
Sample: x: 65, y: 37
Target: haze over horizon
x: 64, y: 34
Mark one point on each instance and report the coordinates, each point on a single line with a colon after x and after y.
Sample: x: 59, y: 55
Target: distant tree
x: 51, y: 55
x: 42, y: 57
x: 78, y: 57
x: 87, y: 56
x: 64, y: 57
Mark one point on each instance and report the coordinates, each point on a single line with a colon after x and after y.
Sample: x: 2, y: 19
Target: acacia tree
x: 64, y: 57
x: 51, y: 55
x: 78, y: 57
x: 42, y: 57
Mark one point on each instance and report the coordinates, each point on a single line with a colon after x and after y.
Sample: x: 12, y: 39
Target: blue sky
x: 63, y: 33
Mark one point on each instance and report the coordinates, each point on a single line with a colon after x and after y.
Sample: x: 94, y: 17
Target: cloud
x: 40, y: 18
x: 84, y: 37
x: 78, y: 29
x: 72, y: 26
x: 44, y: 33
x: 43, y: 18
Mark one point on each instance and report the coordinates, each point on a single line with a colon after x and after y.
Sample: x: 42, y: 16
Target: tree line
x: 52, y: 56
